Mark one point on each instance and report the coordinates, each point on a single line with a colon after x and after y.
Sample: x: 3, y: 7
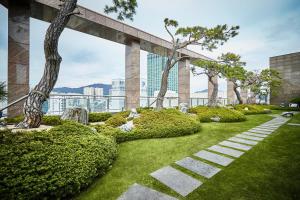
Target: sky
x: 267, y: 28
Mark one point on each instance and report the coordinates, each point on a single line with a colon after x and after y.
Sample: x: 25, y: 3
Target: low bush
x: 54, y: 164
x: 274, y: 107
x: 99, y: 117
x: 295, y: 100
x: 116, y: 120
x: 156, y: 124
x: 205, y: 114
x: 252, y: 109
x: 51, y: 120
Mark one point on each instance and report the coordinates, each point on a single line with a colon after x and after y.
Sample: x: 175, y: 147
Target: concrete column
x: 184, y: 81
x: 132, y: 75
x: 210, y: 86
x: 18, y: 54
x: 230, y: 93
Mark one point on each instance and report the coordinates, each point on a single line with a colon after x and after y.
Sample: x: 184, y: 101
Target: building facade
x: 289, y: 68
x: 155, y: 67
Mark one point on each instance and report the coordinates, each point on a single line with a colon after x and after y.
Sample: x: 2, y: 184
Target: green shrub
x: 14, y: 120
x: 156, y: 124
x: 51, y: 120
x: 205, y: 114
x: 99, y: 117
x: 295, y: 100
x: 274, y: 107
x: 116, y: 120
x: 54, y: 164
x: 253, y: 109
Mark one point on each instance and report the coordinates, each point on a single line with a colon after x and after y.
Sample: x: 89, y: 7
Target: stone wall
x: 289, y: 68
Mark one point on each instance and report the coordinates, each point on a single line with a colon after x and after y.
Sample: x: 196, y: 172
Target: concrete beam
x: 132, y: 75
x: 99, y: 25
x: 18, y: 54
x: 184, y: 81
x: 231, y: 97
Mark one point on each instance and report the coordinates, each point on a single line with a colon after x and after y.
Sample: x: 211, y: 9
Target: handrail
x: 14, y: 102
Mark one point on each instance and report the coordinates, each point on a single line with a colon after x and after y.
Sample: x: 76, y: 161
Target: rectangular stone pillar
x: 230, y: 93
x: 184, y: 81
x: 132, y: 75
x: 18, y: 54
x: 210, y: 86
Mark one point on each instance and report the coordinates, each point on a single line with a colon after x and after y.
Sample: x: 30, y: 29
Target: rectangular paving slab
x: 198, y: 167
x: 215, y: 158
x: 139, y: 192
x: 261, y: 132
x: 226, y: 151
x: 176, y: 180
x: 255, y: 134
x: 265, y: 128
x: 249, y: 137
x: 244, y: 141
x: 235, y: 145
x: 293, y: 124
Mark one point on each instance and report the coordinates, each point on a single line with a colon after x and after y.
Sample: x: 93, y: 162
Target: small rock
x: 183, y: 107
x: 246, y: 108
x: 215, y: 119
x: 127, y: 127
x: 76, y: 114
x: 133, y: 113
x: 287, y: 114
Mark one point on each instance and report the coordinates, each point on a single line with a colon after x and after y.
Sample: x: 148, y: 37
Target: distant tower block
x: 184, y: 81
x: 230, y: 93
x: 211, y: 87
x: 132, y: 75
x: 18, y: 54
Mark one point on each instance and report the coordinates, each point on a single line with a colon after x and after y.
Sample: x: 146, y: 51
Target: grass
x: 268, y: 171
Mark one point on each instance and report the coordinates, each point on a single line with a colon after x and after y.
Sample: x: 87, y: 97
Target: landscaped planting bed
x: 251, y: 109
x: 52, y: 164
x: 205, y: 114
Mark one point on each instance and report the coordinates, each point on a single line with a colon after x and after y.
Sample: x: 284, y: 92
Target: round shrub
x: 116, y: 120
x: 51, y: 120
x: 54, y: 164
x: 252, y: 109
x: 205, y: 114
x: 99, y: 117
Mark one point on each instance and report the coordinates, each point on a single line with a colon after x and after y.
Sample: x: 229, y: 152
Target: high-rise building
x: 155, y: 67
x: 89, y: 91
x: 99, y: 91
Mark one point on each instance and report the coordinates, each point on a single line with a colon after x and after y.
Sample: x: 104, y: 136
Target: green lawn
x: 270, y: 170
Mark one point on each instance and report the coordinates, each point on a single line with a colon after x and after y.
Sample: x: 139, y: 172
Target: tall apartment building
x: 288, y: 67
x: 155, y: 67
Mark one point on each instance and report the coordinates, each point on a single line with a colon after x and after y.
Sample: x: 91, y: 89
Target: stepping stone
x: 270, y: 127
x: 265, y: 128
x: 293, y: 124
x: 235, y: 145
x: 139, y: 192
x: 255, y: 134
x: 215, y: 158
x: 198, y: 167
x: 235, y: 139
x: 249, y: 137
x: 261, y: 132
x: 176, y: 180
x: 226, y: 151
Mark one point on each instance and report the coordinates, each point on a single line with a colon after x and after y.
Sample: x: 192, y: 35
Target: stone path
x: 205, y: 163
x: 293, y: 124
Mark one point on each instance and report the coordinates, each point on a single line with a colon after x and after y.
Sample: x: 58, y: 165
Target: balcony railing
x: 56, y: 104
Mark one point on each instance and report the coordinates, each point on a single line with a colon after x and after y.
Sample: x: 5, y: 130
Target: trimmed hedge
x: 205, y: 114
x: 51, y: 120
x: 116, y: 120
x: 99, y: 117
x: 54, y: 164
x: 156, y: 124
x: 253, y: 109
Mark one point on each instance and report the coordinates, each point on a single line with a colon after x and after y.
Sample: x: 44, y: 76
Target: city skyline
x: 261, y: 36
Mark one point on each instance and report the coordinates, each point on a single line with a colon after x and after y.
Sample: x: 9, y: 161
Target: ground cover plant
x: 51, y: 120
x: 153, y: 124
x: 142, y: 157
x: 99, y: 117
x: 52, y: 164
x: 250, y: 109
x: 205, y: 114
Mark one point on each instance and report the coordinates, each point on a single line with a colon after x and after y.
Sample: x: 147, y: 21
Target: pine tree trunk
x: 213, y: 98
x: 33, y: 105
x: 238, y: 95
x: 163, y: 87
